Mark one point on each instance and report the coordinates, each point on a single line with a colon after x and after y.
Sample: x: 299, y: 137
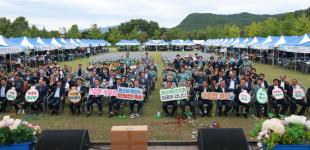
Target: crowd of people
x: 222, y: 75
x: 226, y: 74
x: 53, y: 83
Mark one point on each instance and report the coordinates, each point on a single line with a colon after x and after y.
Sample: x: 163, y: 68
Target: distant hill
x: 202, y: 20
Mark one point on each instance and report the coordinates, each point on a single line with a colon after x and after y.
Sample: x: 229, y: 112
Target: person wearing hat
x: 246, y: 62
x: 127, y: 60
x: 146, y: 59
x: 176, y: 62
x: 211, y: 62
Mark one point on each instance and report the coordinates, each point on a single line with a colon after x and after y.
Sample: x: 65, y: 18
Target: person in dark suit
x: 235, y: 65
x: 42, y: 89
x: 133, y: 102
x: 219, y: 64
x: 274, y: 101
x: 29, y: 77
x: 177, y: 62
x: 92, y: 78
x: 44, y: 78
x: 174, y: 103
x: 58, y: 95
x: 68, y: 82
x: 294, y: 101
x: 4, y: 87
x: 36, y: 75
x: 220, y: 77
x: 201, y: 102
x: 284, y: 83
x: 145, y: 84
x: 264, y: 83
x: 83, y: 90
x: 52, y: 83
x: 93, y: 69
x: 211, y: 62
x: 232, y: 82
x: 223, y: 89
x: 95, y: 99
x: 237, y: 102
x: 248, y: 82
x: 308, y: 96
x: 21, y: 98
x: 148, y: 76
x: 114, y: 100
x: 191, y: 93
x: 201, y: 77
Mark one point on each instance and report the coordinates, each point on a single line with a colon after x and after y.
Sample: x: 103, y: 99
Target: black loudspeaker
x: 222, y: 139
x: 63, y: 140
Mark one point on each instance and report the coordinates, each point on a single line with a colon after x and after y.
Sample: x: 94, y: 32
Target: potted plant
x: 17, y: 134
x: 291, y: 133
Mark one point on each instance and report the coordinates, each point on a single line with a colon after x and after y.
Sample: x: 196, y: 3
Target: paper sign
x: 74, y: 95
x: 106, y: 92
x: 217, y: 96
x: 32, y: 95
x: 244, y: 97
x: 298, y: 93
x: 277, y: 93
x: 173, y: 94
x: 11, y: 94
x: 130, y: 93
x: 261, y: 96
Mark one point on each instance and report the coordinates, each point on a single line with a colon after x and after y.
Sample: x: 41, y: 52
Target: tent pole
x: 273, y: 57
x: 295, y: 60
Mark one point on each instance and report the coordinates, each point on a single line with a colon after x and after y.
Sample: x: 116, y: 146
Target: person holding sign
x: 114, y: 100
x: 297, y: 96
x: 42, y: 89
x: 222, y: 89
x: 262, y: 95
x: 174, y: 103
x: 133, y: 102
x: 83, y: 90
x: 95, y: 99
x: 201, y: 102
x: 21, y: 98
x: 190, y: 99
x: 237, y: 102
x: 4, y: 87
x: 277, y: 97
x: 58, y: 95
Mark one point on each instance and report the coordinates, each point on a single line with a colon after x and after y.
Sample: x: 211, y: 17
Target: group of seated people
x: 53, y: 83
x: 227, y: 75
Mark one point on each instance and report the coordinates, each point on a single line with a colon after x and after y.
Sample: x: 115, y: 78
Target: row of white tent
x: 295, y: 44
x: 23, y: 44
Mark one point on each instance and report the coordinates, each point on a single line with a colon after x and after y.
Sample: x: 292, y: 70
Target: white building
x: 62, y: 30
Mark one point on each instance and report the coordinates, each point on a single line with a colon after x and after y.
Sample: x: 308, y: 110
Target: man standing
x: 127, y: 60
x: 190, y: 100
x: 146, y: 59
x: 294, y: 101
x: 80, y: 72
x: 4, y: 87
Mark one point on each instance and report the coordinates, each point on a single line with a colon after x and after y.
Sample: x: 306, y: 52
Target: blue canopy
x: 244, y: 43
x: 189, y: 42
x: 27, y: 43
x: 65, y: 44
x: 294, y: 45
x: 47, y: 45
x: 281, y: 40
x: 8, y: 47
x: 264, y: 44
x: 81, y: 44
x: 127, y: 42
x: 90, y: 42
x: 175, y: 42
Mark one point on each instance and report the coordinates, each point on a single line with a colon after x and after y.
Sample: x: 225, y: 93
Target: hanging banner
x: 298, y: 93
x: 217, y: 96
x: 32, y: 95
x: 130, y: 93
x: 74, y: 95
x: 173, y: 94
x: 106, y: 92
x: 244, y: 97
x: 261, y: 96
x: 277, y: 93
x: 11, y: 94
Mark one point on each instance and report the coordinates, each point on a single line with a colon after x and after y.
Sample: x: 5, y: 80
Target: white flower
x: 295, y: 119
x: 274, y: 125
x: 5, y: 118
x: 14, y: 126
x: 2, y: 124
x: 17, y: 121
x: 308, y: 124
x: 259, y: 144
x: 10, y: 122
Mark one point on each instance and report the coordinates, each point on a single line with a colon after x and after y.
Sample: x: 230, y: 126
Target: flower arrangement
x: 17, y: 131
x: 293, y: 130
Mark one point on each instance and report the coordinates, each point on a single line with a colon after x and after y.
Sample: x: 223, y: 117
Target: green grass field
x: 99, y: 128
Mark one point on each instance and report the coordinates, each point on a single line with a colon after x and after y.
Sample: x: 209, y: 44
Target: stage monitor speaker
x: 222, y: 139
x: 63, y: 140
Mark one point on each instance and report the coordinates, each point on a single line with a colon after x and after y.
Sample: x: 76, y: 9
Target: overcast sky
x: 168, y: 13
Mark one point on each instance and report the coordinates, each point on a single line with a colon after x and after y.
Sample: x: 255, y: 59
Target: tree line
x: 290, y: 24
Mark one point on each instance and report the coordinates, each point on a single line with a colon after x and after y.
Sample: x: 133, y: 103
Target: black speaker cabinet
x: 63, y: 140
x: 222, y: 139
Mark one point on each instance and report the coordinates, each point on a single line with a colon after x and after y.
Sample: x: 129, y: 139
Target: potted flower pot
x: 19, y: 146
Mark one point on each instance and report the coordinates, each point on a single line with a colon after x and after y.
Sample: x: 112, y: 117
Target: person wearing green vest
x: 246, y: 62
x: 127, y: 60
